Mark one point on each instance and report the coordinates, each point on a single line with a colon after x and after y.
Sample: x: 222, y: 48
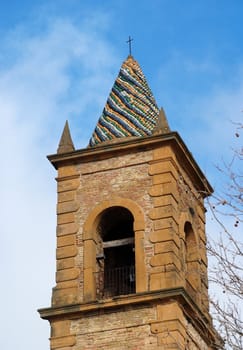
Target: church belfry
x: 131, y: 264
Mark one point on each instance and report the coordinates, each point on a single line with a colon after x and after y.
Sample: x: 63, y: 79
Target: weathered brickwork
x: 153, y: 180
x: 123, y: 176
x: 128, y: 328
x: 169, y: 247
x: 176, y: 201
x: 194, y: 340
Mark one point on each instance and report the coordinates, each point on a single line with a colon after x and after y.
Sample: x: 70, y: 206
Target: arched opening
x: 116, y: 253
x: 96, y: 238
x: 191, y: 256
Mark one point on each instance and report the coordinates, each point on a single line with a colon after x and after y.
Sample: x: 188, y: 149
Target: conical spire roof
x: 130, y: 109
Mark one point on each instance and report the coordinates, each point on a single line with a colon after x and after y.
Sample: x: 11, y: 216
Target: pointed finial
x: 162, y: 126
x: 66, y: 143
x: 129, y: 41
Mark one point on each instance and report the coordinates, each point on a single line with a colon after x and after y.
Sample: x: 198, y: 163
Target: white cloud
x: 202, y: 102
x: 39, y: 89
x: 212, y: 135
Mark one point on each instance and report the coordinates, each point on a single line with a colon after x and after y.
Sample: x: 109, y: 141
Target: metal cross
x: 129, y: 41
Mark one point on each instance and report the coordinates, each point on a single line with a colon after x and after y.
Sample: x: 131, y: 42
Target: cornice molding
x: 128, y: 145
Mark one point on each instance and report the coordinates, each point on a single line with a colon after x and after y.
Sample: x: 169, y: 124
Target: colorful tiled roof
x: 130, y: 109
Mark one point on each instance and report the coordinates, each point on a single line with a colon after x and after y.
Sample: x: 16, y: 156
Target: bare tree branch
x: 226, y: 251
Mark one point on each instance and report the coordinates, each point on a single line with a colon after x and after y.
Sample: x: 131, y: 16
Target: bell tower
x: 131, y: 264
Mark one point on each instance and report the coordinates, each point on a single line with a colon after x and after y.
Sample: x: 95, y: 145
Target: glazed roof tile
x: 130, y: 109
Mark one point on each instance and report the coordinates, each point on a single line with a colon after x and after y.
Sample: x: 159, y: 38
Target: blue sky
x: 58, y: 61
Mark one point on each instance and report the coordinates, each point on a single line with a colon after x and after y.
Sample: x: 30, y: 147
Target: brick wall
x: 156, y: 183
x: 124, y: 329
x: 123, y: 176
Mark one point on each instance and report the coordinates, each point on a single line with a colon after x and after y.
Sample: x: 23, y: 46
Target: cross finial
x: 129, y: 41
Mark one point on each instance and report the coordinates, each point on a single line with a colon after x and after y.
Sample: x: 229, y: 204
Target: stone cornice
x: 139, y: 144
x: 202, y: 324
x: 118, y: 301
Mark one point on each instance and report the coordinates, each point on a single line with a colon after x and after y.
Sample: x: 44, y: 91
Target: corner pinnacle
x: 162, y: 126
x: 66, y: 143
